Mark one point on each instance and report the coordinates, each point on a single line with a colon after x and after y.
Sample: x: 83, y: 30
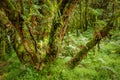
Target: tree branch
x: 83, y: 53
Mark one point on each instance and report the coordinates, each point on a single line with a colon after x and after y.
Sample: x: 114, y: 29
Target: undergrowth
x: 98, y: 65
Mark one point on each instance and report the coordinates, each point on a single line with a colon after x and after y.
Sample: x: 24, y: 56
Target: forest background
x: 60, y: 39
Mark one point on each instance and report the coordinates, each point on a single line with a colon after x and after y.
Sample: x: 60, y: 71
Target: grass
x: 98, y: 68
x: 101, y: 66
x: 98, y: 65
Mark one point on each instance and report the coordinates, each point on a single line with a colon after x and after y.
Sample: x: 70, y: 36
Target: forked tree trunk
x: 59, y: 28
x: 23, y: 40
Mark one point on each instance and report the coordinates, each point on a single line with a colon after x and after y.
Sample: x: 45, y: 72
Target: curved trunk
x: 84, y: 51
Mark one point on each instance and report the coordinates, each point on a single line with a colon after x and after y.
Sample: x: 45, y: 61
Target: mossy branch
x: 83, y: 53
x: 10, y: 5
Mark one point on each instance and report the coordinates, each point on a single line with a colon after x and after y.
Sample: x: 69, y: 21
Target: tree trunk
x: 24, y: 47
x: 3, y: 50
x: 59, y: 28
x: 84, y: 51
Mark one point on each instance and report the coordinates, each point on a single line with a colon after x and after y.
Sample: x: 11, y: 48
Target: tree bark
x: 22, y: 44
x: 59, y: 28
x: 84, y: 51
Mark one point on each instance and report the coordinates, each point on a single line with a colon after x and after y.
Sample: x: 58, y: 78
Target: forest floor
x: 100, y: 64
x: 3, y: 68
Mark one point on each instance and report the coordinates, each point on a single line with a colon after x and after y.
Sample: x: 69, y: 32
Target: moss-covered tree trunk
x: 3, y: 53
x: 2, y: 42
x: 23, y: 38
x: 59, y: 28
x: 98, y: 34
x: 84, y: 51
x: 23, y: 45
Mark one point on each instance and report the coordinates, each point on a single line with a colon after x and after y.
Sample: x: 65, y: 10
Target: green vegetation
x: 98, y: 65
x: 60, y: 40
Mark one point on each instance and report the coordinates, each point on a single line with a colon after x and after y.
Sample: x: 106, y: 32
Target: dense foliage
x: 59, y: 40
